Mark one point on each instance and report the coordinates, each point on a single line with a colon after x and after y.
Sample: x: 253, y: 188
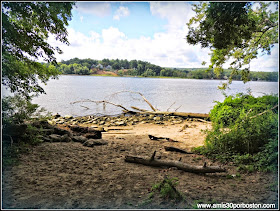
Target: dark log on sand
x: 155, y: 138
x: 158, y: 138
x: 174, y: 149
x: 168, y: 163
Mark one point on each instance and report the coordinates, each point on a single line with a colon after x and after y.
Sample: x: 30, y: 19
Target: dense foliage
x: 26, y: 27
x: 245, y: 131
x: 234, y: 32
x: 146, y: 69
x: 17, y: 135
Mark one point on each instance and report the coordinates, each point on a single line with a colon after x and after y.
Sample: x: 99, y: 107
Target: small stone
x: 65, y: 138
x: 95, y: 142
x: 177, y: 122
x: 158, y: 118
x: 55, y: 137
x: 56, y: 116
x: 46, y: 139
x: 159, y: 122
x: 120, y: 123
x: 151, y: 117
x: 102, y: 123
x: 80, y: 139
x: 68, y: 117
x: 96, y: 135
x: 119, y: 187
x: 60, y: 131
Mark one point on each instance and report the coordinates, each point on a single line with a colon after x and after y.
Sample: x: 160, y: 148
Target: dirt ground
x: 73, y: 176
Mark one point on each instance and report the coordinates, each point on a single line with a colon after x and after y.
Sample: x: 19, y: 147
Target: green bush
x: 244, y: 130
x: 18, y: 111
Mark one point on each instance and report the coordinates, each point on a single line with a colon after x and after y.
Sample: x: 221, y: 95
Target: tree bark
x: 168, y: 163
x: 182, y: 114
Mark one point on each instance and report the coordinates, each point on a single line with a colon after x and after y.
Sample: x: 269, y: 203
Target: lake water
x: 185, y: 95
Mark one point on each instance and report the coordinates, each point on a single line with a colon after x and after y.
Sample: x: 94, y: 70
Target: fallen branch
x: 174, y: 149
x: 170, y: 106
x: 157, y: 138
x: 264, y: 112
x: 202, y: 120
x: 168, y: 163
x: 170, y: 113
x: 138, y: 109
x: 143, y: 111
x: 178, y: 108
x: 102, y: 101
x: 151, y: 106
x: 85, y: 107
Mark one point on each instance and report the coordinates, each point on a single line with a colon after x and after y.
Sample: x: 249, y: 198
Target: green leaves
x: 234, y: 31
x: 26, y: 27
x: 244, y: 128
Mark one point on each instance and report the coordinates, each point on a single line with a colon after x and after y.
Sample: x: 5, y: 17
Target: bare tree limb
x: 177, y: 164
x: 178, y: 108
x: 264, y: 112
x: 84, y: 107
x: 139, y: 109
x: 171, y: 106
x: 151, y: 106
x: 101, y: 101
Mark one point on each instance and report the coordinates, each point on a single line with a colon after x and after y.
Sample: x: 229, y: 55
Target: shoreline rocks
x: 121, y: 120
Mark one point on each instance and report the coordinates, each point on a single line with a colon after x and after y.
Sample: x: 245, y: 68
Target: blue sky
x: 149, y: 31
x: 138, y: 21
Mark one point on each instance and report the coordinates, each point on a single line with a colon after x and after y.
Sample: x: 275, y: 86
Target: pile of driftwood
x: 136, y: 110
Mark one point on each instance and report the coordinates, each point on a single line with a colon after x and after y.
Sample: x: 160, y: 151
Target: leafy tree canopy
x: 234, y: 32
x: 25, y: 29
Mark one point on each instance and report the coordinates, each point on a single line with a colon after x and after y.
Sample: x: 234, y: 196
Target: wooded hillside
x: 146, y: 69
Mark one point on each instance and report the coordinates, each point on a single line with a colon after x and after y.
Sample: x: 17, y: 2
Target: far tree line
x: 123, y: 67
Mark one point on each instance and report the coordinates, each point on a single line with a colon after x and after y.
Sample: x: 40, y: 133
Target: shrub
x: 16, y: 111
x: 244, y: 130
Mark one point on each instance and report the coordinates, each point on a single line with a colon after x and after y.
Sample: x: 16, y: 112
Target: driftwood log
x: 143, y: 111
x: 175, y: 149
x: 168, y: 163
x: 170, y: 113
x: 154, y: 138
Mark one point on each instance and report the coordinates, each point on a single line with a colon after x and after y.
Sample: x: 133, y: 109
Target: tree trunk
x: 182, y: 114
x: 168, y: 163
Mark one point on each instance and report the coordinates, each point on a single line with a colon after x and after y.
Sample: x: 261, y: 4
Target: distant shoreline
x: 161, y: 77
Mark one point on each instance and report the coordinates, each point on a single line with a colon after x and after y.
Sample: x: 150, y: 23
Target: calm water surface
x: 185, y: 95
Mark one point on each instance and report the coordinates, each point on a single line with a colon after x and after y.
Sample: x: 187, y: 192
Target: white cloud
x: 121, y: 12
x: 163, y: 49
x: 167, y: 49
x: 267, y: 62
x: 112, y: 35
x: 100, y: 9
x: 176, y: 13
